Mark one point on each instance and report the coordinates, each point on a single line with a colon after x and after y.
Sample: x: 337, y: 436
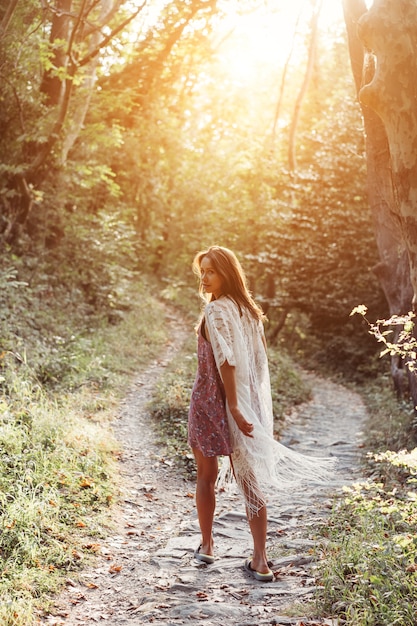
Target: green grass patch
x: 368, y: 570
x: 61, y: 378
x: 391, y: 424
x: 368, y: 562
x: 170, y: 403
x: 289, y: 388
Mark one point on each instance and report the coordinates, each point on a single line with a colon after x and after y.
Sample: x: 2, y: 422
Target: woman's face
x: 210, y: 279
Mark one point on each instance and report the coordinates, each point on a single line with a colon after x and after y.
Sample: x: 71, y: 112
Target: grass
x: 62, y: 374
x: 59, y: 390
x: 368, y: 570
x: 369, y: 553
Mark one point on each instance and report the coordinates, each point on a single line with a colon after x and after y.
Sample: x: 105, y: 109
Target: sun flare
x: 268, y: 35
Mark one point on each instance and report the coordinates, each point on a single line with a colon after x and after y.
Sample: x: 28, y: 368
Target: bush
x: 368, y: 574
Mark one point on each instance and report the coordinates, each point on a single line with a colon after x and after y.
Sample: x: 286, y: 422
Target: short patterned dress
x: 208, y: 428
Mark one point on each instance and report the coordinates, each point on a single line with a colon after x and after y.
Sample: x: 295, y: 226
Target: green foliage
x: 170, y: 403
x: 396, y: 333
x: 167, y: 153
x: 288, y: 386
x: 61, y: 375
x: 368, y: 575
x: 55, y: 468
x: 367, y: 560
x: 391, y: 424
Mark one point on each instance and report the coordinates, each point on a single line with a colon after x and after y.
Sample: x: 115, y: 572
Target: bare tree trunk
x: 393, y: 270
x: 389, y: 29
x: 292, y: 160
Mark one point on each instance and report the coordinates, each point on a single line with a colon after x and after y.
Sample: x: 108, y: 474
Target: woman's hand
x: 244, y: 426
x: 229, y: 381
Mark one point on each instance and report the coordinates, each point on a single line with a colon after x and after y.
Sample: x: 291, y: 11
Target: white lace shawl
x: 259, y: 463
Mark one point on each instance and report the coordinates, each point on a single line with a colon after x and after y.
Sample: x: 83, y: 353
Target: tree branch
x: 109, y: 37
x: 7, y: 17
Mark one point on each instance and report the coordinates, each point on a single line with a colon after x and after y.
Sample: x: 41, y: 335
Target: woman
x: 233, y: 374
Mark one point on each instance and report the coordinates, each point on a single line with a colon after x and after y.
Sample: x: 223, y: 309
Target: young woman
x: 231, y: 407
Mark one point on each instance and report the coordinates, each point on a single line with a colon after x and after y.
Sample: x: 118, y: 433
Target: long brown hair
x: 233, y: 277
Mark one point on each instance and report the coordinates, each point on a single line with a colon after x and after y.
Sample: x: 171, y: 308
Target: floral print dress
x: 208, y: 428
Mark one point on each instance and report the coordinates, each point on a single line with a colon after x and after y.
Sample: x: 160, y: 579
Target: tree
x: 313, y: 36
x: 390, y: 30
x: 376, y: 44
x: 44, y: 111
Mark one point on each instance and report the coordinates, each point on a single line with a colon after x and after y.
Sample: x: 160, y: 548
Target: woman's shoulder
x: 223, y: 304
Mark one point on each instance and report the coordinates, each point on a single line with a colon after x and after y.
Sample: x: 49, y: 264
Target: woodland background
x: 132, y: 136
x: 135, y: 133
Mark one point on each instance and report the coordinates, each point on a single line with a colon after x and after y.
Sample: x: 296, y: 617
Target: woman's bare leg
x: 207, y: 468
x: 258, y: 523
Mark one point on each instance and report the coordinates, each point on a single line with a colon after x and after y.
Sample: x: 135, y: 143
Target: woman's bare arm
x: 229, y: 382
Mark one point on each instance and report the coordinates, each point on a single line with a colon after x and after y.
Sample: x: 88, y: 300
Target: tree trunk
x: 393, y: 271
x: 292, y: 160
x: 283, y: 79
x: 389, y: 29
x: 52, y: 85
x: 7, y: 16
x: 80, y: 110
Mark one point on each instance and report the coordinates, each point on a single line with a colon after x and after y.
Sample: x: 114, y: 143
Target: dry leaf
x: 115, y: 569
x: 95, y: 547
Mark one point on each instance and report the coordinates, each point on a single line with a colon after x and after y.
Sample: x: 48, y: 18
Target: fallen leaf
x: 95, y: 547
x: 115, y: 569
x: 86, y: 482
x: 202, y: 595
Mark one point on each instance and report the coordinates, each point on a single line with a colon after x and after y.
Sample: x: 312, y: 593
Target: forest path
x: 146, y: 573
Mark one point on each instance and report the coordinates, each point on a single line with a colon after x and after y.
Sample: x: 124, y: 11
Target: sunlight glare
x: 267, y: 35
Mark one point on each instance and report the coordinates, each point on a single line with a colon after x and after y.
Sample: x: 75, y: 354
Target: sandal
x: 204, y: 558
x: 264, y: 578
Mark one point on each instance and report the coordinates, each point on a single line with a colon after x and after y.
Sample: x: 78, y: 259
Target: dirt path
x: 146, y: 574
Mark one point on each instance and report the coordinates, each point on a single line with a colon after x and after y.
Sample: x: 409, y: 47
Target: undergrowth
x: 64, y: 365
x: 62, y: 373
x: 368, y: 562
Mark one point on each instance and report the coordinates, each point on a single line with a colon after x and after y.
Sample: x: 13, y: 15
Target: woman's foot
x: 261, y: 573
x: 202, y: 556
